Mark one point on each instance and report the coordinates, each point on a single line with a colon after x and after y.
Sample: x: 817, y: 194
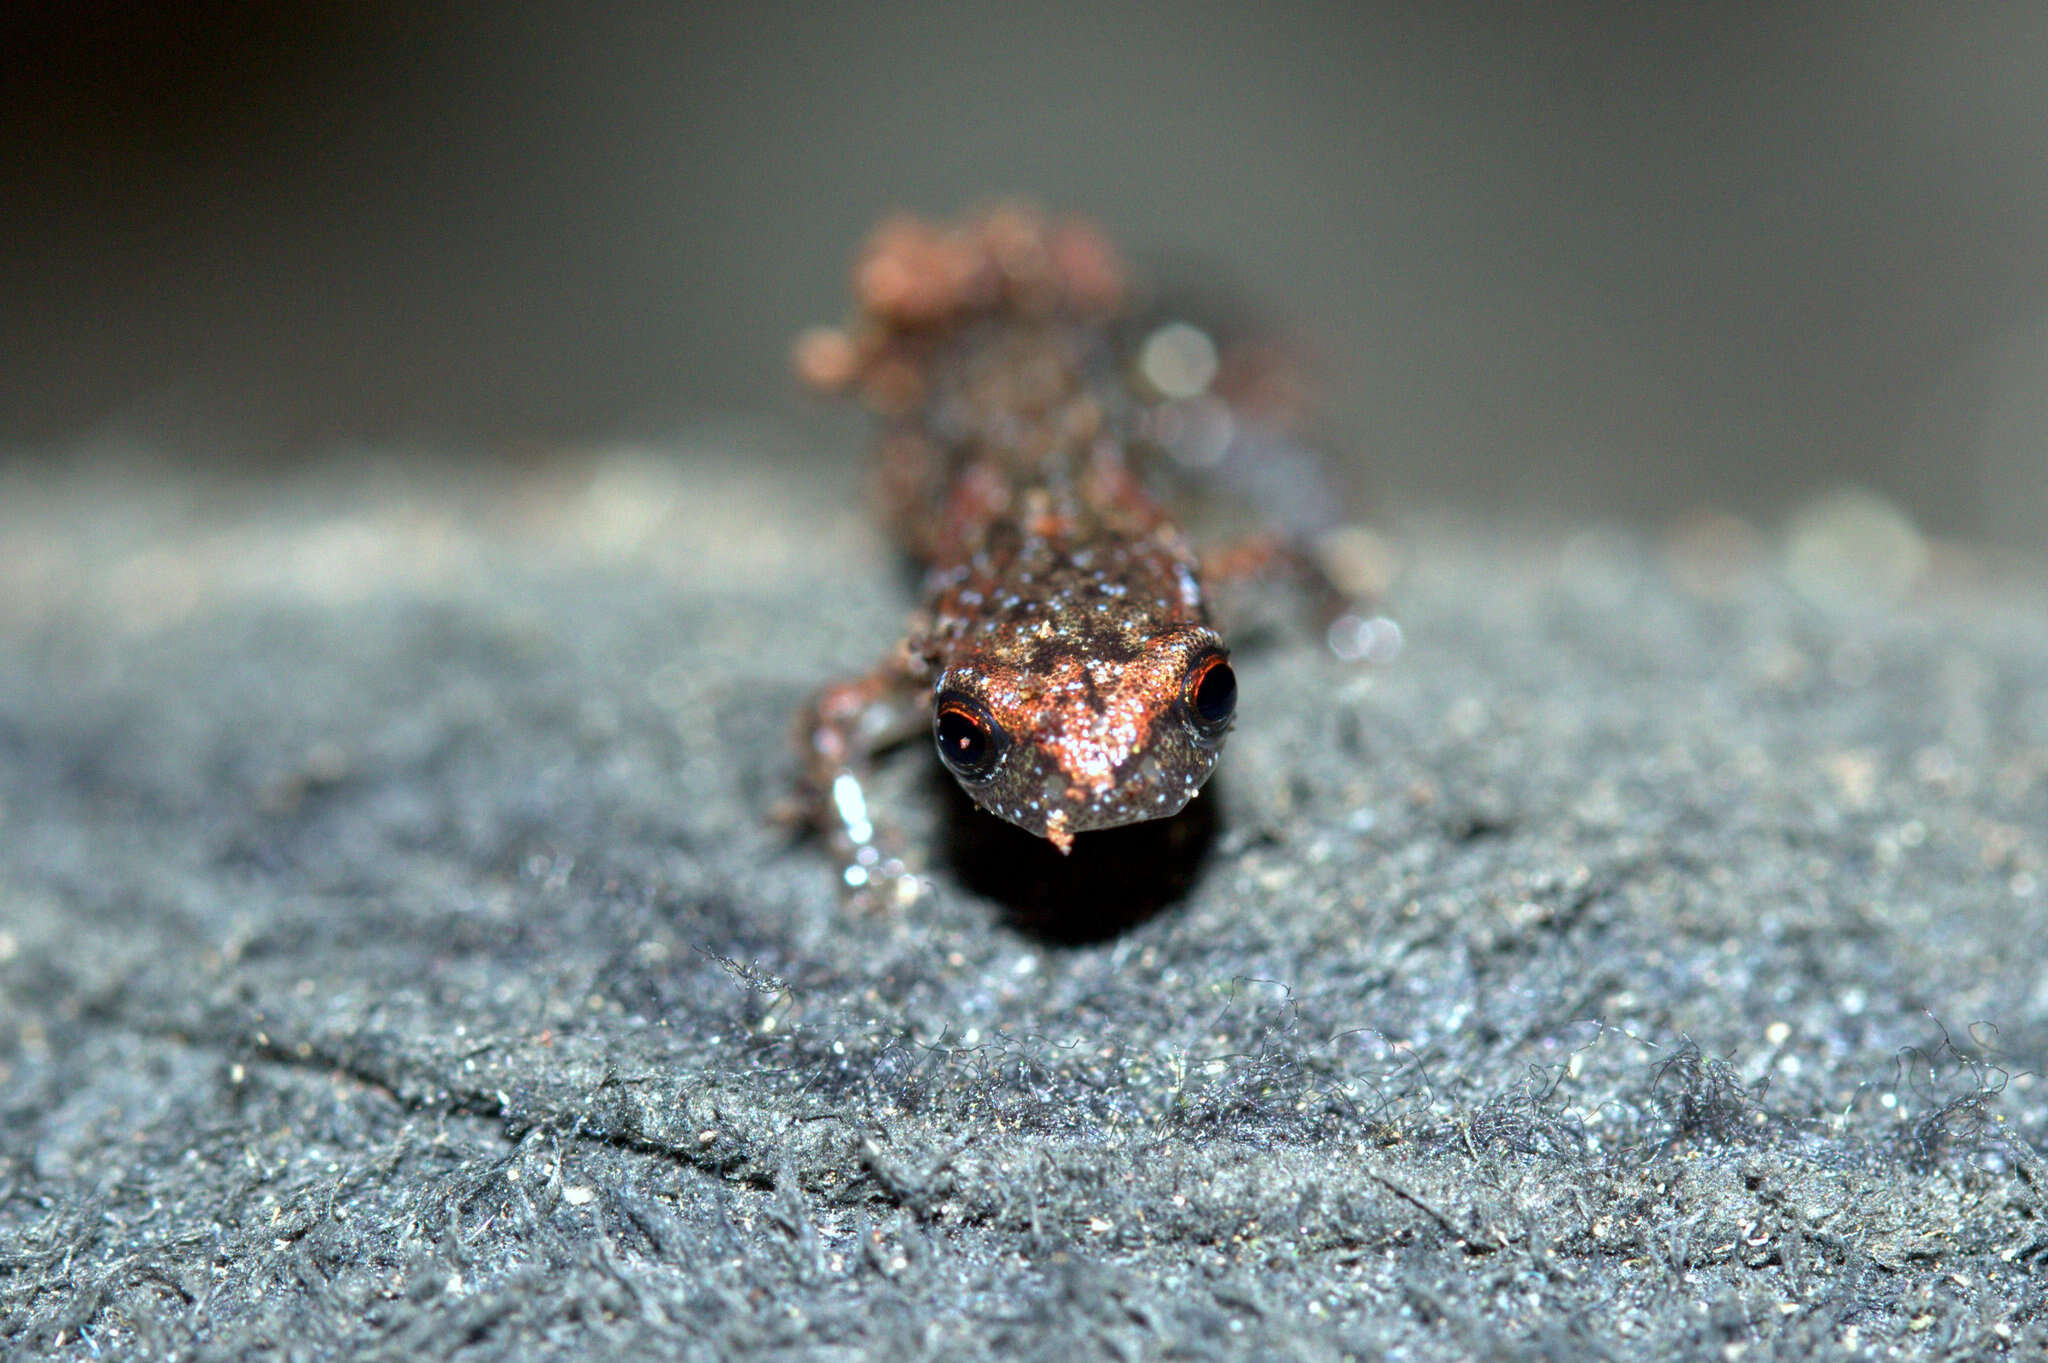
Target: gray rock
x: 399, y: 958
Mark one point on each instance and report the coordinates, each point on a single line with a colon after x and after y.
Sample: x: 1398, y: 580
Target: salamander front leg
x: 1336, y: 574
x: 839, y: 734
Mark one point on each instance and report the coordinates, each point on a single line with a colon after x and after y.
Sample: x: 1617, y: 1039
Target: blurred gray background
x: 1594, y: 261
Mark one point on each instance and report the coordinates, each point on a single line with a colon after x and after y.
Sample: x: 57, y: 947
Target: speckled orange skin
x: 1057, y: 593
x: 1079, y: 641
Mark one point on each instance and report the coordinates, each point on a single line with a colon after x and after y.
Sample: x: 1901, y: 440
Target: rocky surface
x: 398, y: 955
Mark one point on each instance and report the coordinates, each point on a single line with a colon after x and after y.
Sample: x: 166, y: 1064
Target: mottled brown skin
x: 1061, y: 606
x: 1080, y: 644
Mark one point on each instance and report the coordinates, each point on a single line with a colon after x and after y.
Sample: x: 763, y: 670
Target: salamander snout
x: 1060, y: 754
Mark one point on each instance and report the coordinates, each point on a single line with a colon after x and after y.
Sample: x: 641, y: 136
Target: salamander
x: 1064, y: 656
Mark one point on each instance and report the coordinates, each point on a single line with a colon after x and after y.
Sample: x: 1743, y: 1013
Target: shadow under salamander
x: 1113, y: 880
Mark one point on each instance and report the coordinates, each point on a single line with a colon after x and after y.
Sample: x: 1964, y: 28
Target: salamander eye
x: 1211, y: 695
x: 970, y: 741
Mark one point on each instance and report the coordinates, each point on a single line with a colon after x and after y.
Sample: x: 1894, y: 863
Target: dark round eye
x: 1212, y: 695
x: 970, y: 742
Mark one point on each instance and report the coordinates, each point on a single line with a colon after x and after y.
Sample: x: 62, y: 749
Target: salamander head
x: 1065, y: 739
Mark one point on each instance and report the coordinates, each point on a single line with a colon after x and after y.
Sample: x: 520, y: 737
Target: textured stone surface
x: 398, y: 956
